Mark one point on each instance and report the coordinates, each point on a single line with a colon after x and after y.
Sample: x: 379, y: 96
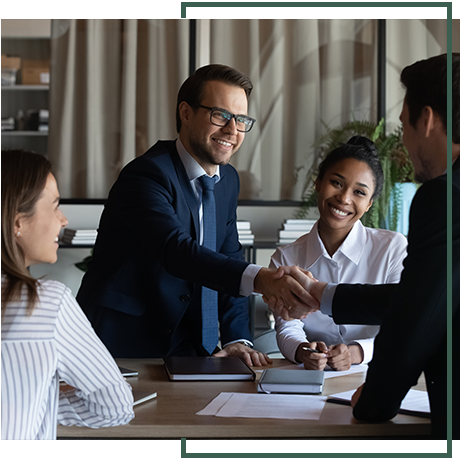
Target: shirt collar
x: 193, y: 169
x: 352, y: 247
x: 315, y: 247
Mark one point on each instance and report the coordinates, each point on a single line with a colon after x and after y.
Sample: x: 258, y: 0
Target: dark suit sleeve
x: 412, y: 313
x: 148, y: 264
x: 361, y: 296
x: 149, y: 203
x: 455, y: 337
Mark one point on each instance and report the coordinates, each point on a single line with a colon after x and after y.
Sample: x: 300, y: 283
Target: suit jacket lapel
x: 186, y: 187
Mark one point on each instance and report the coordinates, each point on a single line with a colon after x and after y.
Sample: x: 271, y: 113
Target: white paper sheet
x: 277, y: 406
x: 216, y: 404
x: 330, y: 373
x: 415, y: 400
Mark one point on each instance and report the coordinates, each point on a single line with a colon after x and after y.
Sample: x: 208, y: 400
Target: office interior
x: 111, y: 94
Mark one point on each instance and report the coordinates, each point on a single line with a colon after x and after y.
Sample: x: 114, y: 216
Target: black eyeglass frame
x: 213, y: 109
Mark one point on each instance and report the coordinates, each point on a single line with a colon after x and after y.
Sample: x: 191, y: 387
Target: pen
x: 312, y: 350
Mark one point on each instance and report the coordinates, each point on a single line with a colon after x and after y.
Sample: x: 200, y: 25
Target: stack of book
x: 8, y: 124
x: 43, y: 120
x: 37, y: 120
x: 245, y: 235
x: 293, y: 229
x: 79, y: 237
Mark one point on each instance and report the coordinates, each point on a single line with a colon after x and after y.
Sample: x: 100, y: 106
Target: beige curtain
x: 114, y: 87
x: 421, y: 38
x: 113, y: 92
x: 455, y: 35
x: 306, y: 74
x: 309, y: 74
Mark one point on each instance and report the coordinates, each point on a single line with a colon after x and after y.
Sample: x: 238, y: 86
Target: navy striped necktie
x: 210, y: 325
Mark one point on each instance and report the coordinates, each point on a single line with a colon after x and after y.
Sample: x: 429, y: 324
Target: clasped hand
x: 289, y: 291
x: 339, y: 357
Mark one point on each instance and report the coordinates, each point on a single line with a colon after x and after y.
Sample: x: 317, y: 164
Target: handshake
x: 289, y: 291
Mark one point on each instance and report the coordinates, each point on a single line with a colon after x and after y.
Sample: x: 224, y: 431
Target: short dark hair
x: 361, y: 149
x: 425, y: 82
x: 193, y: 87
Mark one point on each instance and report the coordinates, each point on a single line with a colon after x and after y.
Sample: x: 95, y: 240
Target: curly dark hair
x: 361, y: 149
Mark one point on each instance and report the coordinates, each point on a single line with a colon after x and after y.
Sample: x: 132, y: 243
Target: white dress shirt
x: 55, y: 342
x: 367, y: 256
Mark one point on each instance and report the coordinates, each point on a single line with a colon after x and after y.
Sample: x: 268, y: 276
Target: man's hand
x: 291, y: 292
x: 356, y: 395
x: 341, y: 356
x: 250, y: 356
x: 286, y: 289
x: 312, y: 360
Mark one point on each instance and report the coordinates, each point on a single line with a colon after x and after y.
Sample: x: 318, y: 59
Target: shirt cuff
x: 238, y: 341
x: 326, y: 299
x: 367, y: 345
x: 290, y: 348
x: 247, y: 279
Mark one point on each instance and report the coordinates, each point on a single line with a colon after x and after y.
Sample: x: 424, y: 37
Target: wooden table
x: 173, y: 413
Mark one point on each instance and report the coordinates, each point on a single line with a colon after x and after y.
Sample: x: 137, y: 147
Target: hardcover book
x: 207, y: 369
x: 281, y: 381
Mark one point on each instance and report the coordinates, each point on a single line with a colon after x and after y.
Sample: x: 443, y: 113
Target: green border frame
x: 332, y: 448
x: 317, y: 10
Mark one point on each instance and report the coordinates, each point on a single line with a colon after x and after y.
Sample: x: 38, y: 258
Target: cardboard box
x: 35, y: 71
x: 11, y: 62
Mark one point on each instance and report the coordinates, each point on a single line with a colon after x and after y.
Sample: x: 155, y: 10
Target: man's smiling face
x: 212, y: 145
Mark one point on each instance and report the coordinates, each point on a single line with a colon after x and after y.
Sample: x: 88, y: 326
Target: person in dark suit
x: 143, y: 292
x: 455, y: 248
x: 413, y: 337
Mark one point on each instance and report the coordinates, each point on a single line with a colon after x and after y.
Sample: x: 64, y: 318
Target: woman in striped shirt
x: 45, y: 335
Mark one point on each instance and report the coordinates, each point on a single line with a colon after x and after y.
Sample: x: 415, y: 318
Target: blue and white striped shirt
x: 57, y: 341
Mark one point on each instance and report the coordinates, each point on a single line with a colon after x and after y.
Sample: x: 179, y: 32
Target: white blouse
x: 367, y: 256
x: 57, y: 341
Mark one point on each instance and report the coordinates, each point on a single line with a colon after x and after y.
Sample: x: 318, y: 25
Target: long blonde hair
x: 24, y: 176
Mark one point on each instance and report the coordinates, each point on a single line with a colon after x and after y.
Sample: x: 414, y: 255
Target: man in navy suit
x: 413, y: 337
x: 143, y: 289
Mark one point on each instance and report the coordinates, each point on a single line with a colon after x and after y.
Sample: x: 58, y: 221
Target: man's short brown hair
x: 193, y: 87
x: 426, y: 85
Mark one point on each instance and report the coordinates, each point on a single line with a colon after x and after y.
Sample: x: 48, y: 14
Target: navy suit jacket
x: 413, y: 314
x: 148, y: 264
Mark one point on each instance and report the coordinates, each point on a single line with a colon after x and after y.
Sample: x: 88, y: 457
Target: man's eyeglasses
x: 221, y: 117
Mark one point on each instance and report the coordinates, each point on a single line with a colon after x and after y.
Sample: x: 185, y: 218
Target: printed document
x: 278, y: 406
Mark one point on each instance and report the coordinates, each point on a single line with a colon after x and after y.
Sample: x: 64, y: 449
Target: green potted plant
x: 83, y: 265
x: 397, y: 168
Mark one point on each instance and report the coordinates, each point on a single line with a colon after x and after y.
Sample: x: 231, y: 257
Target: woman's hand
x: 312, y: 360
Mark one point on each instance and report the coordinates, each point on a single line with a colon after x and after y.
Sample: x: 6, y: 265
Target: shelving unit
x: 24, y: 134
x: 26, y: 87
x: 28, y: 40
